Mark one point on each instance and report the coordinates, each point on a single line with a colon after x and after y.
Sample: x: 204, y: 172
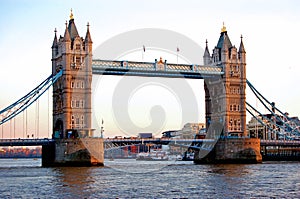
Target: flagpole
x: 102, y: 129
x: 177, y: 50
x: 143, y: 51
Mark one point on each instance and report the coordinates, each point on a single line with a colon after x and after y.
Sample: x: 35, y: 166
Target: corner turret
x: 242, y: 52
x: 206, y: 56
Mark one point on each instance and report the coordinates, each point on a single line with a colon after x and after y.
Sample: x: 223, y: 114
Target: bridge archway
x: 58, y: 129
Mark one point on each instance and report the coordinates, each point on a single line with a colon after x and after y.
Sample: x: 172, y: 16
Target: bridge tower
x: 72, y: 92
x: 225, y: 100
x: 226, y: 95
x: 72, y: 105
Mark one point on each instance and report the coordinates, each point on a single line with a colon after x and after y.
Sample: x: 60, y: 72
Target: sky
x: 270, y: 32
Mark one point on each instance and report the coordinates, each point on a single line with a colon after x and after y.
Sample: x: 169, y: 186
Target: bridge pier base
x: 233, y: 150
x: 74, y: 152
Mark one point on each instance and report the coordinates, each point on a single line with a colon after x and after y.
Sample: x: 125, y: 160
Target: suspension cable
x: 48, y: 127
x: 10, y: 128
x: 264, y: 117
x: 38, y: 118
x: 259, y: 96
x: 23, y: 123
x: 14, y: 127
x: 255, y: 90
x: 26, y: 124
x: 21, y: 104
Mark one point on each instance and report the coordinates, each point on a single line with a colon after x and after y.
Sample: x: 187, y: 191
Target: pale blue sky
x: 271, y: 32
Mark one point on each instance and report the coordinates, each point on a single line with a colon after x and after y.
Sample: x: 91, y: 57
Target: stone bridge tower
x: 72, y: 108
x: 225, y: 95
x: 72, y: 92
x: 225, y: 102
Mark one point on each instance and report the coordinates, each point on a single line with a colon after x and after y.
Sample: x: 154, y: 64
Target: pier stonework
x: 225, y: 102
x: 72, y: 104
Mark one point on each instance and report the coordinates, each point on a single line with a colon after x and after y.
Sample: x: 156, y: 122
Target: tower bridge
x: 223, y: 71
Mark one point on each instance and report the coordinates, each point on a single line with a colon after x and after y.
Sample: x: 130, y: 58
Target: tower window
x: 77, y: 121
x: 78, y: 84
x: 72, y: 84
x: 77, y: 104
x: 72, y: 121
x: 77, y: 46
x: 78, y: 61
x: 82, y: 121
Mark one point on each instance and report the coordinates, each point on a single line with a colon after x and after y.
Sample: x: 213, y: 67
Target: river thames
x: 25, y: 178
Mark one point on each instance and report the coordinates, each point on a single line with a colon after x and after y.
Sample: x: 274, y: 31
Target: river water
x: 25, y: 178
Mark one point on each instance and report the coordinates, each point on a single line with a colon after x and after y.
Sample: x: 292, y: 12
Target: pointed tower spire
x: 54, y: 44
x: 242, y: 48
x: 206, y: 56
x: 206, y: 52
x: 224, y: 40
x: 72, y: 27
x: 67, y: 34
x: 242, y: 52
x: 88, y: 38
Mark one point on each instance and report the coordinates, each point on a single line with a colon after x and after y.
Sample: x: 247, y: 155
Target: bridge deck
x: 25, y: 142
x: 155, y: 69
x: 46, y: 141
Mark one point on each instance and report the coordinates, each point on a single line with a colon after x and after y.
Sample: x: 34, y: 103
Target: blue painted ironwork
x: 149, y: 69
x: 261, y: 98
x: 26, y: 142
x: 20, y: 105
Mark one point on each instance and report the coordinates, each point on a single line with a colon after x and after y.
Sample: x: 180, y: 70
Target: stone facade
x: 72, y: 103
x: 225, y: 101
x: 225, y: 95
x: 72, y: 92
x: 74, y: 152
x: 233, y: 150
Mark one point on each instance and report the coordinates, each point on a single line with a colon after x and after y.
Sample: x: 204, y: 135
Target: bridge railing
x: 157, y: 140
x: 154, y: 66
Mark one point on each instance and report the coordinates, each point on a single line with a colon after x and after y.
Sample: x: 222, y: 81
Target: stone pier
x: 74, y: 152
x: 233, y: 150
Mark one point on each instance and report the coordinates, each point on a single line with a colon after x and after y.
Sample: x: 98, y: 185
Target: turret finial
x: 223, y: 29
x: 55, y: 31
x: 71, y: 15
x: 206, y: 42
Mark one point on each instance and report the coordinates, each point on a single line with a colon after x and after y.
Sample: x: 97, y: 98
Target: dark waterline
x: 25, y: 178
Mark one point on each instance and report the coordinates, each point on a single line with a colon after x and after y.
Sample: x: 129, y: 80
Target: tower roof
x: 72, y: 29
x: 88, y: 38
x: 54, y: 44
x: 206, y: 52
x: 67, y: 34
x: 242, y: 48
x: 224, y: 39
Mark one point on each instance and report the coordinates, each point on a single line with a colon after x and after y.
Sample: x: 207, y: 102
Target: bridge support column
x: 74, y: 152
x: 233, y: 150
